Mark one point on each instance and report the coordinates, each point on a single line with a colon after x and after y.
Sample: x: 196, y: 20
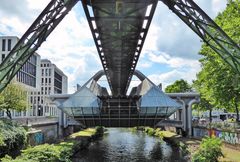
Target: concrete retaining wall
x: 226, y: 136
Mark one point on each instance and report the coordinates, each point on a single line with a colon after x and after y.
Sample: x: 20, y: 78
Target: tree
x: 13, y: 97
x: 217, y: 82
x: 178, y: 86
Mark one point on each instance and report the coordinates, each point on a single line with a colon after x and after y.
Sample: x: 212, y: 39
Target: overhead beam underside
x: 119, y: 29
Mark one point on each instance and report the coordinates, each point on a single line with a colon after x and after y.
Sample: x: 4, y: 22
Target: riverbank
x: 62, y: 151
x: 189, y: 146
x: 231, y: 154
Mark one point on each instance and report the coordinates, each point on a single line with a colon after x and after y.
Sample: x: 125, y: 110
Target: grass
x: 84, y: 133
x: 230, y: 155
x: 167, y: 134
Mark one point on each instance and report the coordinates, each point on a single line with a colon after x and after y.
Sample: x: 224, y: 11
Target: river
x: 122, y: 145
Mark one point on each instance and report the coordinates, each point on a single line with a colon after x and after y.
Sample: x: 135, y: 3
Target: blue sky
x: 170, y: 51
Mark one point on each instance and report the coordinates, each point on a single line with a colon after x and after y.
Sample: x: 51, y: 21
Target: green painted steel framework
x: 187, y: 10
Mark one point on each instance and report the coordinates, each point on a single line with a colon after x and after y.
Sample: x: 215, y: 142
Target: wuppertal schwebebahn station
x: 119, y: 120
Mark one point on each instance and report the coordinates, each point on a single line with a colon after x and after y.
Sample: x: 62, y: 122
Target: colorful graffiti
x: 38, y: 138
x: 229, y: 137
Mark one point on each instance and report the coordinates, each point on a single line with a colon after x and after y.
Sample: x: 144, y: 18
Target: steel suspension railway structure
x: 119, y: 29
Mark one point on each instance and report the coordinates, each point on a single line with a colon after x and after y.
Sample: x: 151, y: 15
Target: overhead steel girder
x: 190, y: 13
x: 119, y: 35
x: 46, y: 22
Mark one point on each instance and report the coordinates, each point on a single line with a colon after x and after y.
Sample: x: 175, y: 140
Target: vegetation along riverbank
x: 60, y: 152
x: 197, y: 150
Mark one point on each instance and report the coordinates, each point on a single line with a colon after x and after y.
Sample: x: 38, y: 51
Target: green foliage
x: 158, y: 133
x: 209, y: 151
x: 99, y: 130
x: 14, y: 97
x: 184, y: 148
x: 178, y: 86
x: 61, y: 152
x: 217, y: 82
x: 203, y: 105
x: 46, y: 153
x: 12, y: 137
x: 149, y: 131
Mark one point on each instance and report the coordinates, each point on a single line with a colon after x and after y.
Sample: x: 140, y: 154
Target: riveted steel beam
x: 191, y: 14
x: 37, y: 33
x: 119, y: 31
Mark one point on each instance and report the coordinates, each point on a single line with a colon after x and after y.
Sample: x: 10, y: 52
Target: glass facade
x: 57, y: 83
x: 82, y: 102
x: 27, y: 74
x: 155, y: 102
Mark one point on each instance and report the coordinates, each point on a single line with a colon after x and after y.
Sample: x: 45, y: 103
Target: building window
x: 3, y: 57
x: 46, y: 72
x: 9, y: 44
x: 3, y: 45
x: 17, y: 114
x: 40, y: 110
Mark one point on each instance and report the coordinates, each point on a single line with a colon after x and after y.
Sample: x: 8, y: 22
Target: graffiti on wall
x: 229, y: 137
x: 38, y: 137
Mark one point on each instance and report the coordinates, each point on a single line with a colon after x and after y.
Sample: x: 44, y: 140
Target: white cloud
x: 171, y: 76
x: 151, y: 38
x: 144, y: 64
x: 175, y: 37
x: 70, y: 46
x: 174, y: 62
x: 37, y: 4
x: 218, y: 5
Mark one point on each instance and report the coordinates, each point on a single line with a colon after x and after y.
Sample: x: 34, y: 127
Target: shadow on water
x: 122, y: 145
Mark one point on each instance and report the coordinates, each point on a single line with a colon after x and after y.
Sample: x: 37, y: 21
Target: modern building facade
x: 28, y: 76
x: 53, y: 81
x: 40, y: 78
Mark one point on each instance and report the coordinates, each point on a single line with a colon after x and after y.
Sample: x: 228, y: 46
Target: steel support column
x: 191, y: 14
x: 46, y: 22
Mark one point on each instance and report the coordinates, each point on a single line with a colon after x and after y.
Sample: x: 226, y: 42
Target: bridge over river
x: 119, y: 29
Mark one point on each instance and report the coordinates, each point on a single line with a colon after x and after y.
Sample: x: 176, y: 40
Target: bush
x: 150, y: 131
x: 61, y: 152
x: 99, y: 130
x: 45, y: 153
x: 209, y: 151
x: 158, y: 133
x: 12, y: 137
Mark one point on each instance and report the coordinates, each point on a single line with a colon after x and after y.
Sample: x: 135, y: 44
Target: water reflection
x: 121, y: 145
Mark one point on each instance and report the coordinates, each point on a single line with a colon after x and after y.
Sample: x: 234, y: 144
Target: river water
x: 122, y: 145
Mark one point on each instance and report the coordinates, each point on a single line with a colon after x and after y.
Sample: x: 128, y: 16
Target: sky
x: 170, y: 51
